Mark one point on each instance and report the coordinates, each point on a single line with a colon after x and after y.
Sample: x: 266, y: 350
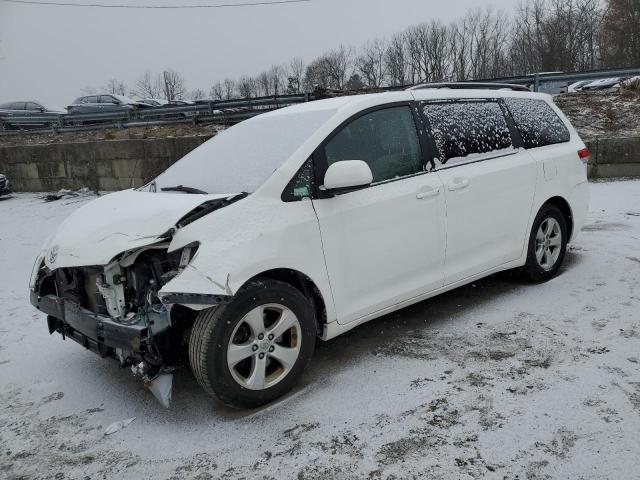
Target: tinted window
x: 33, y: 106
x: 18, y: 106
x: 537, y: 123
x: 386, y: 139
x: 464, y: 129
x: 107, y: 99
x: 301, y: 184
x: 92, y: 99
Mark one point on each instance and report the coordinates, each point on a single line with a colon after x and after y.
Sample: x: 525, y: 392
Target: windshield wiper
x: 181, y: 188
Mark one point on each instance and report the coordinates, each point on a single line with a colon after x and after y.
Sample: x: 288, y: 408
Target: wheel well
x: 305, y: 285
x: 562, y: 205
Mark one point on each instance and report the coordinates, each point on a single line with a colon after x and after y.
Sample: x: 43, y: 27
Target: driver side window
x: 387, y: 140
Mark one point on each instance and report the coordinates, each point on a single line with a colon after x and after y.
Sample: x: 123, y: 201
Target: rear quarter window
x: 537, y: 123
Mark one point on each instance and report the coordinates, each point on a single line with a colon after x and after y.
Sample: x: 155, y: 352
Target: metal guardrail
x: 203, y: 112
x: 228, y: 112
x: 535, y: 80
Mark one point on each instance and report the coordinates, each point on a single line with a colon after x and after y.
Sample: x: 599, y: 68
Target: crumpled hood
x: 97, y: 232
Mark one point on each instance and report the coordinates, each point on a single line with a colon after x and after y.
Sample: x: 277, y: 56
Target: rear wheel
x: 547, y: 245
x: 253, y: 350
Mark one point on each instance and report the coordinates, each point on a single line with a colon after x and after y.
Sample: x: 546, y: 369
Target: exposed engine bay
x: 115, y: 309
x: 125, y: 294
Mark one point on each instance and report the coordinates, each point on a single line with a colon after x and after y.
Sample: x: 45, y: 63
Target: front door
x: 383, y: 244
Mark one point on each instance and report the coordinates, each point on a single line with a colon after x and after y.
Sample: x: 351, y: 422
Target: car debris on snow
x: 117, y: 426
x: 65, y: 193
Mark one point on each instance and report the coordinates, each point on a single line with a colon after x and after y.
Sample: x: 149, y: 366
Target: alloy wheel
x: 548, y: 243
x: 264, y: 346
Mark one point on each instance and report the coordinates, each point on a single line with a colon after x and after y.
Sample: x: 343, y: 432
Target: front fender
x: 246, y: 239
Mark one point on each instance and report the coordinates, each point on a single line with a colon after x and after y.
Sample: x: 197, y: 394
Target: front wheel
x: 547, y: 245
x: 253, y: 350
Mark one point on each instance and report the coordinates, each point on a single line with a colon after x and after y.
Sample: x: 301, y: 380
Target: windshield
x: 243, y: 157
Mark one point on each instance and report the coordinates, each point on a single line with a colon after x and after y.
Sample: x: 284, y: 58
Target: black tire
x: 212, y: 332
x: 532, y: 270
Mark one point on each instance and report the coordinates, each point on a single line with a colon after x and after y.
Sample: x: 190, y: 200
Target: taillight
x: 584, y: 155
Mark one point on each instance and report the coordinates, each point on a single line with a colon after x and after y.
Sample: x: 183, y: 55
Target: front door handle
x: 427, y: 193
x: 458, y: 184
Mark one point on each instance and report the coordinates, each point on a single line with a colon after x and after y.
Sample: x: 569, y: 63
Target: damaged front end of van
x: 104, y: 280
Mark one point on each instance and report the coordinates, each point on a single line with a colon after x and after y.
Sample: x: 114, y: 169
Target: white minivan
x: 307, y: 222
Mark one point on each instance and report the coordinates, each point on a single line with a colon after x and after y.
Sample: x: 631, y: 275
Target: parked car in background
x: 104, y: 103
x: 181, y: 102
x: 153, y: 102
x: 28, y: 108
x: 577, y: 86
x: 308, y: 221
x: 4, y: 185
x: 602, y: 84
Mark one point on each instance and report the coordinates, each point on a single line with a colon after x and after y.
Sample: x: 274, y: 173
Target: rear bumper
x: 97, y: 333
x: 579, y: 207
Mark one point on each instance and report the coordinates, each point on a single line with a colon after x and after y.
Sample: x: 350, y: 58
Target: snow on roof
x: 338, y: 103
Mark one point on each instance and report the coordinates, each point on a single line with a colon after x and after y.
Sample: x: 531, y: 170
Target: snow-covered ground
x: 494, y: 380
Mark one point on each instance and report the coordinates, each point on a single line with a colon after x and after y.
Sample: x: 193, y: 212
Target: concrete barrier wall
x: 104, y: 165
x: 614, y: 157
x: 118, y: 164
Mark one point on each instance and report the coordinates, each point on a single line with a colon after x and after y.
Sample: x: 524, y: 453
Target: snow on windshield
x: 243, y: 157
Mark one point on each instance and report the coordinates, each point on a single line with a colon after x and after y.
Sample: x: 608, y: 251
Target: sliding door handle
x: 458, y: 184
x: 430, y: 193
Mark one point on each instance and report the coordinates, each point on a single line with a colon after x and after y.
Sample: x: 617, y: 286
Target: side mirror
x: 347, y: 174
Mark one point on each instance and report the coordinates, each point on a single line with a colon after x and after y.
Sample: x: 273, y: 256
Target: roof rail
x: 472, y: 86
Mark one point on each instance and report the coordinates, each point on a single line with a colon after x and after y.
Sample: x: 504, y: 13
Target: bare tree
x: 277, y: 79
x: 263, y: 84
x: 115, y: 86
x: 556, y: 35
x: 173, y: 85
x: 480, y: 45
x: 621, y: 36
x: 396, y: 60
x: 217, y: 91
x: 295, y: 76
x: 316, y: 75
x: 248, y: 87
x: 148, y: 86
x: 339, y: 66
x: 229, y: 89
x: 197, y: 94
x: 370, y: 63
x: 429, y: 50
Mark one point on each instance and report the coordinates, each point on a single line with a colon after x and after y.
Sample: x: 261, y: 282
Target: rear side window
x: 537, y: 123
x: 465, y: 130
x: 387, y: 140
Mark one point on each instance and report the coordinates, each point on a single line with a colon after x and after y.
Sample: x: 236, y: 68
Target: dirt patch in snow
x: 608, y: 113
x: 157, y: 131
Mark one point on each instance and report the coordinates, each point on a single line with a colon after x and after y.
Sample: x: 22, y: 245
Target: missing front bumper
x: 97, y: 333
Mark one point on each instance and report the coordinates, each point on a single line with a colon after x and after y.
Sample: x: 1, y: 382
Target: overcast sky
x: 52, y: 52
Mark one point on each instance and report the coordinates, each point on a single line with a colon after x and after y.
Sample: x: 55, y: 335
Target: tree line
x: 537, y: 36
